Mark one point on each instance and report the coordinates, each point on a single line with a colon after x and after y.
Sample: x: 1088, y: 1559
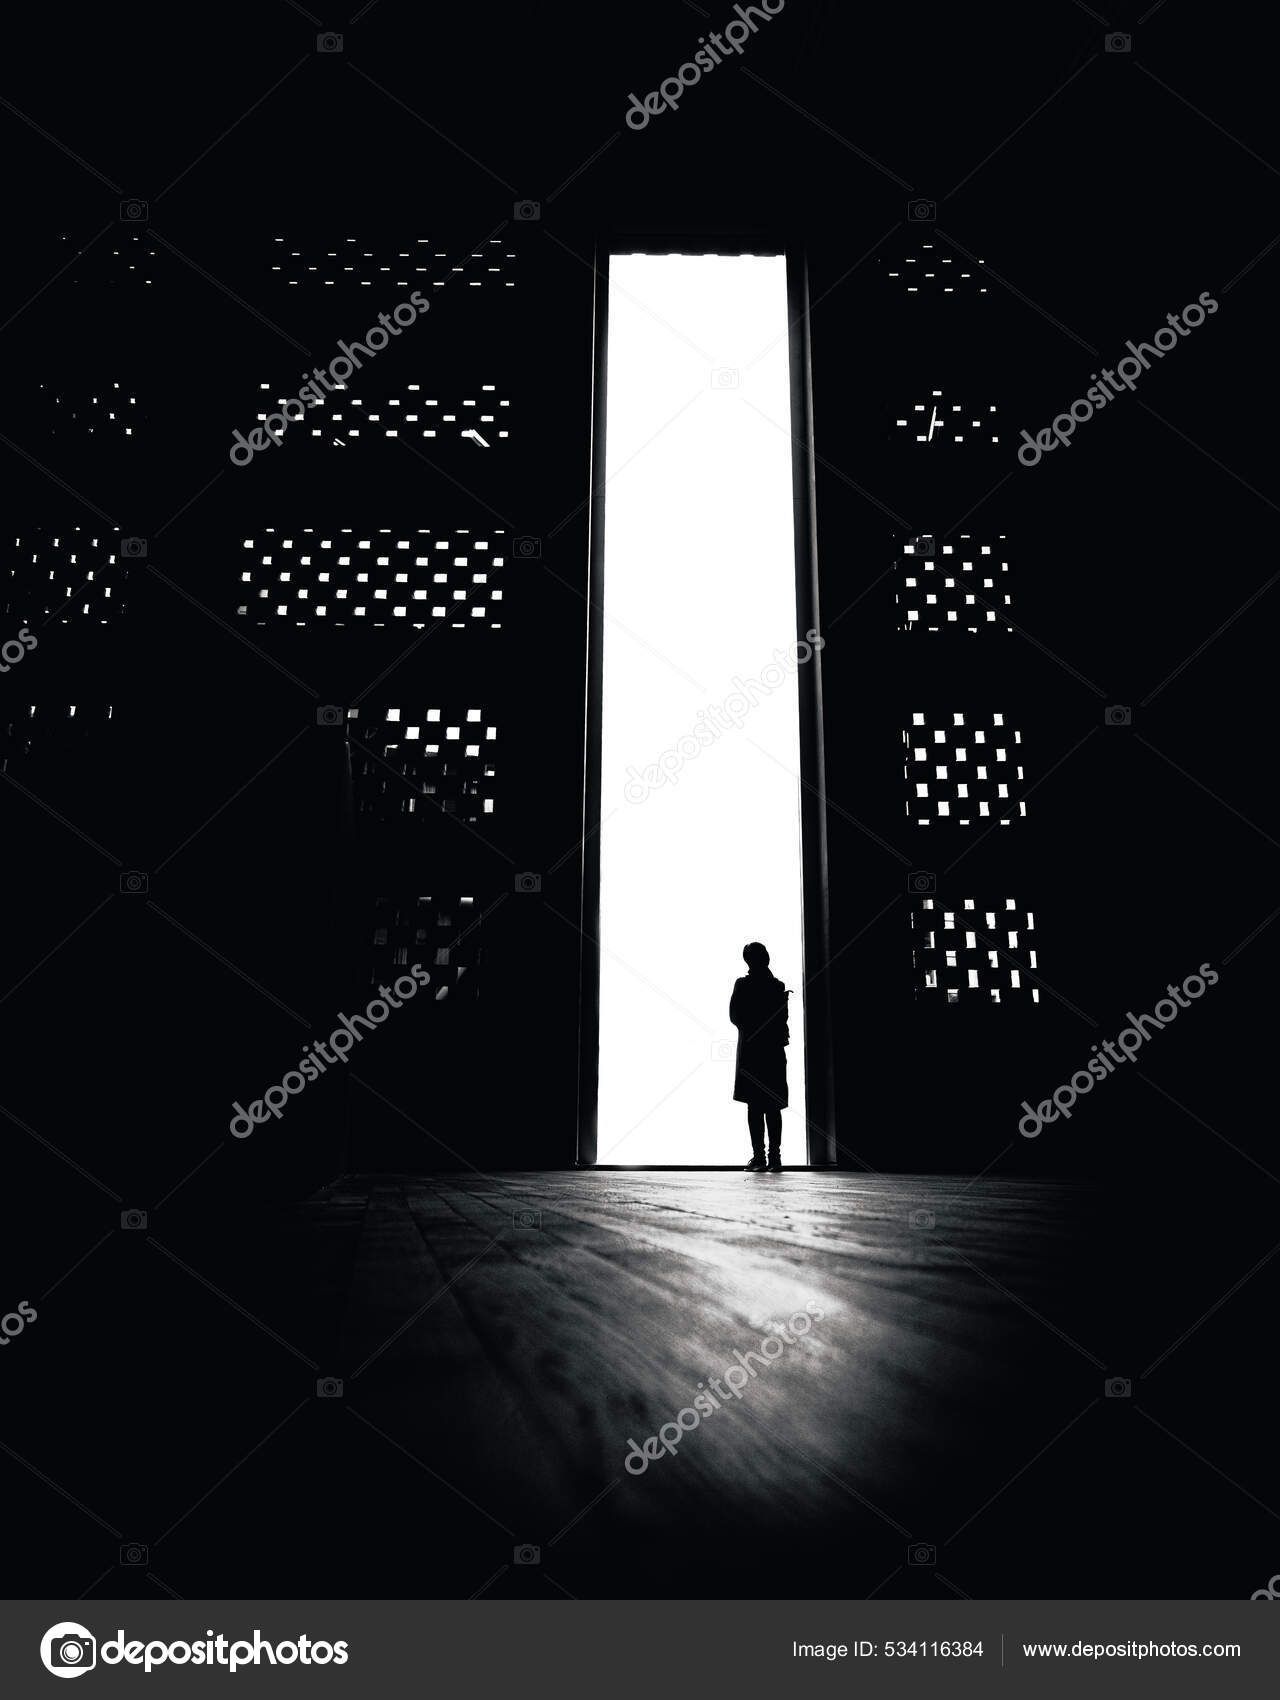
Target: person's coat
x: 758, y: 1009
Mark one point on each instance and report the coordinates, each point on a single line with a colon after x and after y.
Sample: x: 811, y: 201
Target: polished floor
x: 502, y: 1340
x: 429, y: 1387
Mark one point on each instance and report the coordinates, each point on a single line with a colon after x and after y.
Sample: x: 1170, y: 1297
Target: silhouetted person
x: 758, y: 1009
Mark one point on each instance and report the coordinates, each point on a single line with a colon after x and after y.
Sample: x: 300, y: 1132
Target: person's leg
x: 773, y: 1116
x: 755, y: 1127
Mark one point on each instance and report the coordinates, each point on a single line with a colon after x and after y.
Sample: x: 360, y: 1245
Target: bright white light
x: 700, y: 614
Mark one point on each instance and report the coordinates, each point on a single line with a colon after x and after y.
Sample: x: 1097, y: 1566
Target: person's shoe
x: 756, y: 1166
x: 775, y: 1165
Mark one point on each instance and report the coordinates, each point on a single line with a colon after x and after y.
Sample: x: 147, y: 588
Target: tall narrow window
x: 701, y: 667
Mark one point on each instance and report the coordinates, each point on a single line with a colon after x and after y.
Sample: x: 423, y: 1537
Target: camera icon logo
x: 1118, y: 42
x: 527, y: 548
x: 68, y: 1649
x: 923, y: 1219
x: 328, y: 715
x: 329, y: 1387
x: 921, y: 548
x: 329, y: 42
x: 724, y: 377
x: 134, y: 211
x: 527, y: 1218
x: 1118, y: 1387
x: 133, y: 548
x: 921, y: 883
x: 724, y: 1050
x: 528, y: 1555
x: 1117, y: 715
x: 134, y: 884
x: 919, y: 1553
x: 134, y: 1553
x: 527, y: 212
x: 133, y: 1221
x: 922, y: 212
x: 528, y: 882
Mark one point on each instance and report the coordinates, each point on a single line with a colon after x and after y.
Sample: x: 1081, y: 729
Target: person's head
x: 756, y: 957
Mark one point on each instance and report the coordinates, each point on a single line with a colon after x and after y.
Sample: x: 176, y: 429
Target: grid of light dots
x: 940, y: 745
x: 944, y: 260
x: 920, y: 552
x: 117, y: 254
x: 381, y: 594
x: 19, y: 729
x: 102, y: 711
x: 392, y: 922
x: 951, y: 953
x: 85, y: 574
x: 401, y: 418
x: 121, y: 401
x: 420, y: 242
x: 939, y: 426
x: 410, y: 731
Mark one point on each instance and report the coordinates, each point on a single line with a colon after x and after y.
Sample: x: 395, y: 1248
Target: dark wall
x: 272, y: 852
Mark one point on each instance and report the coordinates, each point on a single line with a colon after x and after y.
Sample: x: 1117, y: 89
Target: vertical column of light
x: 700, y: 842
